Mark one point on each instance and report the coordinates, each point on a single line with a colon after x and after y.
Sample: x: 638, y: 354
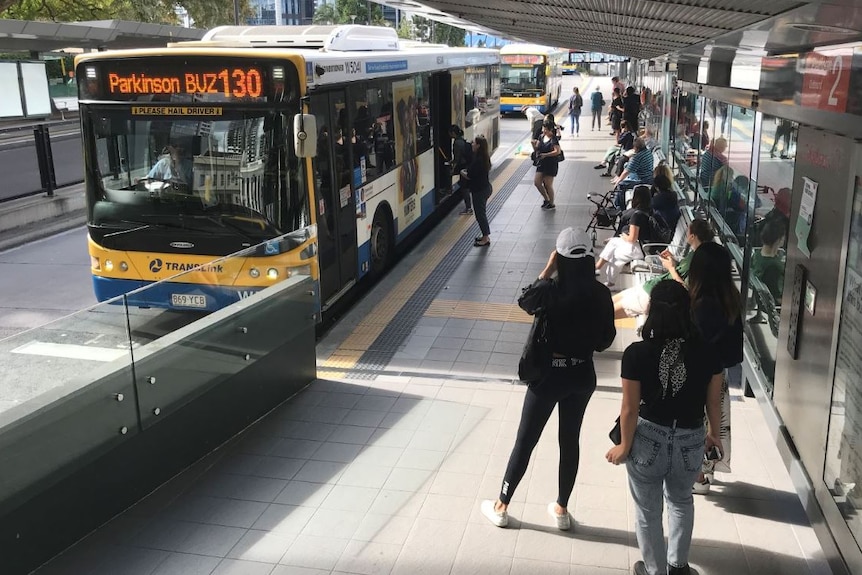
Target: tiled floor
x: 384, y: 475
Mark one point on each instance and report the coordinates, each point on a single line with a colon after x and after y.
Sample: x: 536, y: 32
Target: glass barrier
x: 767, y: 240
x: 80, y: 385
x: 67, y: 391
x: 843, y: 468
x: 179, y: 354
x: 63, y: 356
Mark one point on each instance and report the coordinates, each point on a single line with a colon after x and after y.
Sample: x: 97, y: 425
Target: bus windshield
x: 529, y: 78
x: 237, y: 167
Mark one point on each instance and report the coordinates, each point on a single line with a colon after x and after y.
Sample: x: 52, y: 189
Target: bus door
x: 334, y: 205
x: 441, y: 120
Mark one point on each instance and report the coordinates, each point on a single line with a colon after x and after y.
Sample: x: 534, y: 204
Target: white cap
x: 574, y: 244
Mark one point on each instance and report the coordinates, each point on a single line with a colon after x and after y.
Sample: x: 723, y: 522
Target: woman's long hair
x: 482, y: 155
x: 669, y: 325
x: 711, y: 275
x: 576, y: 277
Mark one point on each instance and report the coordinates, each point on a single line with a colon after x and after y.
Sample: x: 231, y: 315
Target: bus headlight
x: 272, y: 273
x: 124, y: 267
x: 109, y: 265
x: 95, y: 263
x: 254, y: 272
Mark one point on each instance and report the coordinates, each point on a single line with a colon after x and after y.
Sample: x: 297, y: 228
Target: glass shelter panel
x: 766, y: 242
x: 843, y: 471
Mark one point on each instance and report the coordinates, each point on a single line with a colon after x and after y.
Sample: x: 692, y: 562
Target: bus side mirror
x: 305, y: 135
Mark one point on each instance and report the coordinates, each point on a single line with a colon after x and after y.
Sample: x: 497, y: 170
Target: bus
x: 573, y: 59
x: 530, y: 75
x: 317, y: 150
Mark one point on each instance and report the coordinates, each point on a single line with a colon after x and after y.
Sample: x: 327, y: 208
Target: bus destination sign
x: 225, y: 82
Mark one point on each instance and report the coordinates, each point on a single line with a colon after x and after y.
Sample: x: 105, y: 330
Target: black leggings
x: 480, y: 209
x: 572, y: 388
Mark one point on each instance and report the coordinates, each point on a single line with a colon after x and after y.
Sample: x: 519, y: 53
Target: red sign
x: 826, y: 80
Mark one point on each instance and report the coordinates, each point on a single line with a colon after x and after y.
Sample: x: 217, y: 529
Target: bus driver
x: 172, y: 166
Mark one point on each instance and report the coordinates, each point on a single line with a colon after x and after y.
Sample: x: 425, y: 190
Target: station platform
x: 379, y: 466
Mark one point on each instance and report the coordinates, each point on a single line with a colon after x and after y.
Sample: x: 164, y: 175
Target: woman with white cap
x: 580, y: 319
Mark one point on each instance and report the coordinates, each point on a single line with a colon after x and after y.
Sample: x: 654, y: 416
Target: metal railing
x: 38, y: 158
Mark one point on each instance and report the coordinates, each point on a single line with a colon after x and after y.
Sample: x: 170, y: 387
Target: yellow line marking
x: 352, y: 348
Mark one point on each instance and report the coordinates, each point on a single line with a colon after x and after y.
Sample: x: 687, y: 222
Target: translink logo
x: 157, y: 265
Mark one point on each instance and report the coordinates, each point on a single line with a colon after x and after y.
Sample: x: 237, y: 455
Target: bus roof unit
x: 347, y: 38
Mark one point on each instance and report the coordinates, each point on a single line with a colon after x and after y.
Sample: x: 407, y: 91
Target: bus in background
x: 319, y: 158
x: 530, y: 75
x: 574, y: 58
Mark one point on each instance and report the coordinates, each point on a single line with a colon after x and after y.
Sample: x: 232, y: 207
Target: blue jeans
x: 664, y: 460
x: 576, y: 121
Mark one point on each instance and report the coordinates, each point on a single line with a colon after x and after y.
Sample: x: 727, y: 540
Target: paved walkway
x: 378, y: 467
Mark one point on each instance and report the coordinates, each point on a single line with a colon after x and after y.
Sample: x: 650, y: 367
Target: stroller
x: 605, y: 214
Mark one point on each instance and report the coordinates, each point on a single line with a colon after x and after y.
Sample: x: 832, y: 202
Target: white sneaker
x: 701, y: 487
x: 564, y: 522
x: 498, y: 518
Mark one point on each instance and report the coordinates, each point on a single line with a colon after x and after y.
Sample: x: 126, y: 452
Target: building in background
x: 282, y: 12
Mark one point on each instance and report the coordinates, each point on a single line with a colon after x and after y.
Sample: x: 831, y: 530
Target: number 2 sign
x: 826, y: 80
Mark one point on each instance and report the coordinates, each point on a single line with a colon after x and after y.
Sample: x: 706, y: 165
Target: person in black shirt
x: 631, y: 108
x: 717, y: 311
x: 668, y: 379
x: 580, y: 318
x: 627, y: 246
x: 480, y: 187
x: 547, y: 150
x: 461, y: 157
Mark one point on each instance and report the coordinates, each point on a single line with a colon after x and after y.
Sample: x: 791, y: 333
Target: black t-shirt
x: 640, y: 219
x: 579, y: 325
x: 641, y: 363
x: 546, y: 147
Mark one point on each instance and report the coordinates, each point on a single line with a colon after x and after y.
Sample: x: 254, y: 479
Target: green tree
x: 205, y: 13
x: 437, y: 32
x: 359, y: 8
x: 327, y: 14
x: 405, y: 29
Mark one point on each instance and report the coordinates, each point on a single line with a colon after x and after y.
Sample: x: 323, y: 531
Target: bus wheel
x: 382, y: 241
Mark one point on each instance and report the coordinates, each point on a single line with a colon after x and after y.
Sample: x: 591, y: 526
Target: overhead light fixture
x: 823, y: 28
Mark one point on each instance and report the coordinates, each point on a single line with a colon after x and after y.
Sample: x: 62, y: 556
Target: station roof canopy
x: 23, y: 35
x: 648, y: 29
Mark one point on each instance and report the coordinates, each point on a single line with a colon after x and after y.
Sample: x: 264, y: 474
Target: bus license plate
x: 185, y: 300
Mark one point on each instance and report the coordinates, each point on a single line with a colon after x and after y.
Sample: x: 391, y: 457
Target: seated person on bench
x: 625, y: 142
x: 625, y: 247
x: 766, y: 263
x: 634, y: 301
x: 638, y: 171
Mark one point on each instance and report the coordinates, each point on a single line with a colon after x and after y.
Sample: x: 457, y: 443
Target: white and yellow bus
x: 530, y: 75
x: 328, y: 138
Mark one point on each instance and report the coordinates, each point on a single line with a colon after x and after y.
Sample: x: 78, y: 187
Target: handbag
x: 536, y: 356
x: 562, y: 156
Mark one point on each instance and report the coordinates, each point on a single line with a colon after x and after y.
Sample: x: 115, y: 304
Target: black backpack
x: 661, y: 231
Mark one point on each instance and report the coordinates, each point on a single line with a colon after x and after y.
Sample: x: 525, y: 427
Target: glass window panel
x: 766, y: 241
x: 843, y: 470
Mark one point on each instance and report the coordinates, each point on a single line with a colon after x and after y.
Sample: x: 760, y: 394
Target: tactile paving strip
x: 385, y: 345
